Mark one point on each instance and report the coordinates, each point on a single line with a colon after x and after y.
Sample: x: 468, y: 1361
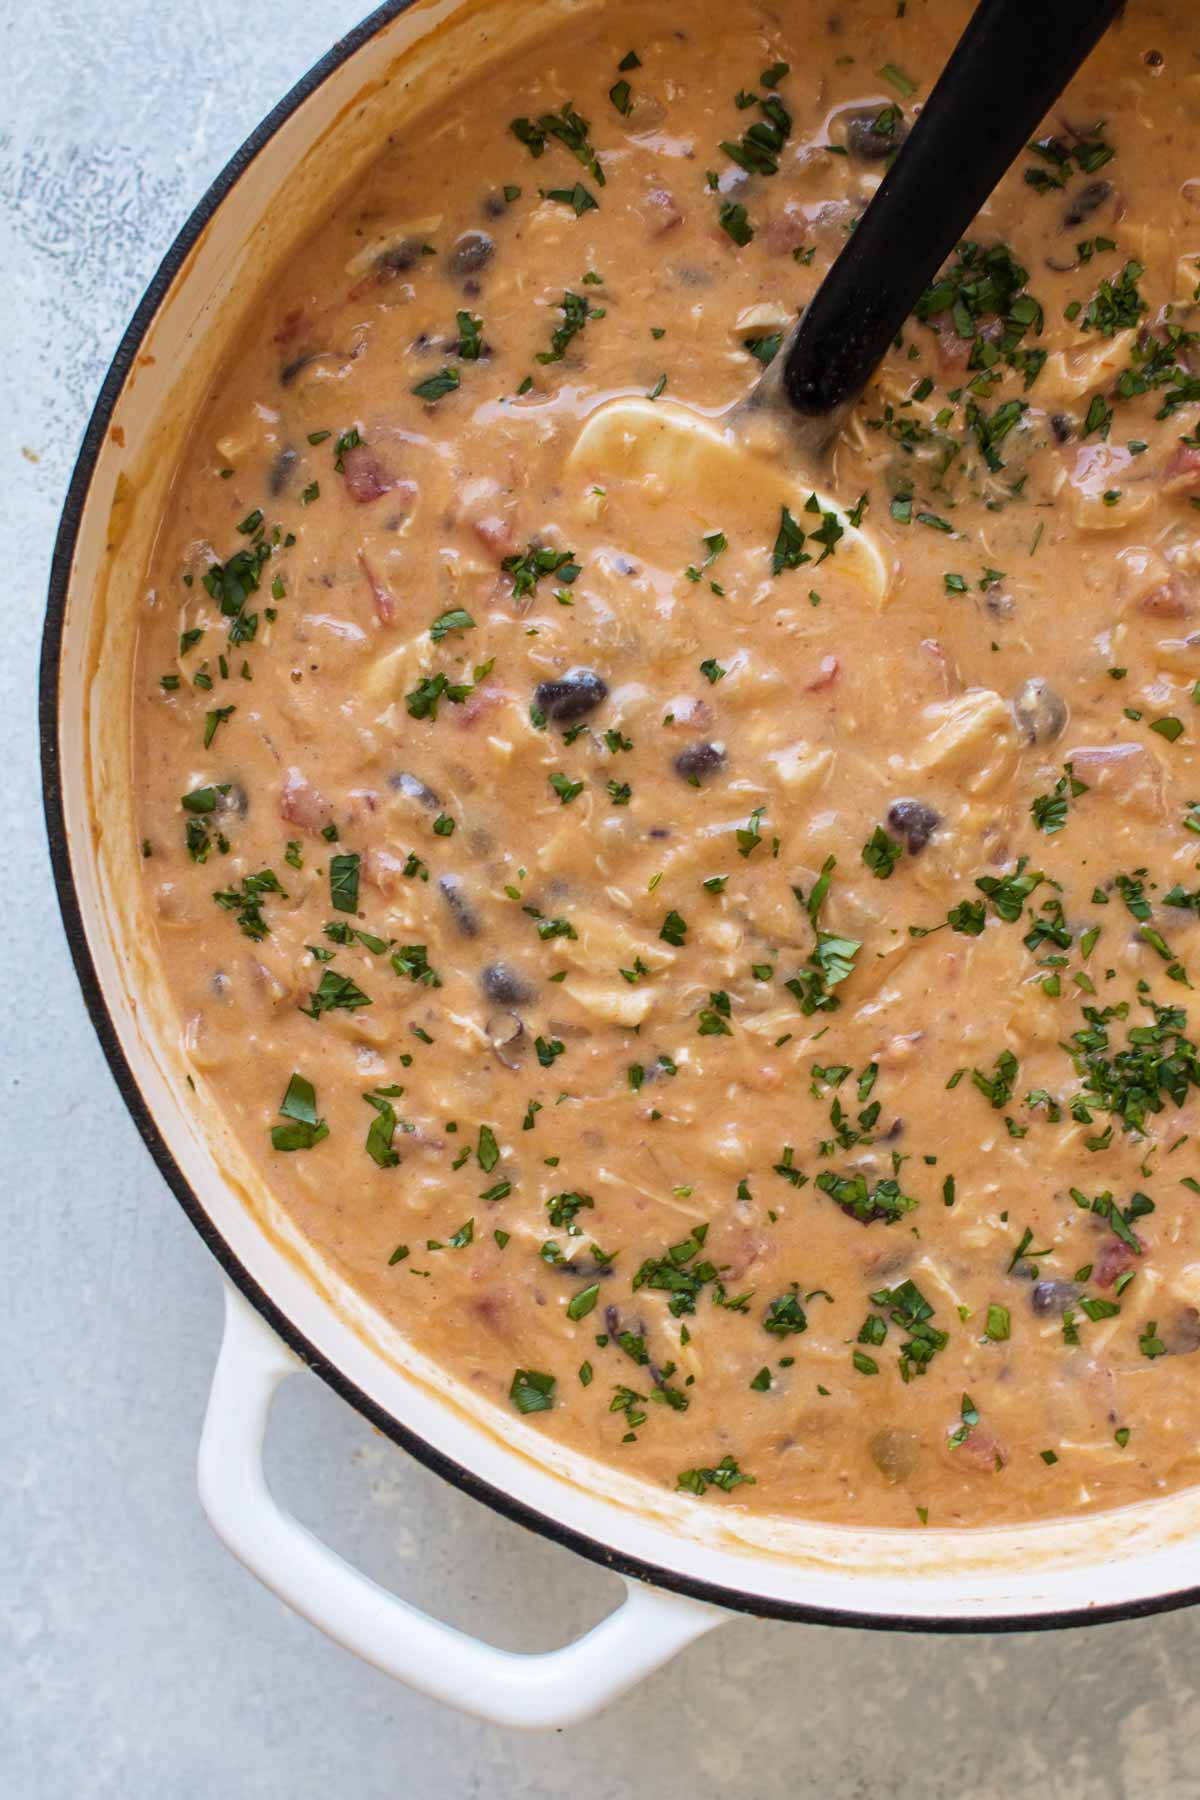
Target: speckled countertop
x: 137, y: 1660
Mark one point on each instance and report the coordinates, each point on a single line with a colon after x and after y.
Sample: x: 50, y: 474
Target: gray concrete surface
x: 137, y: 1661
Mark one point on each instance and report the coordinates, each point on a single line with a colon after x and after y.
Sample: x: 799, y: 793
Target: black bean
x: 494, y: 206
x: 397, y: 259
x: 699, y: 761
x: 573, y: 696
x: 1154, y: 59
x: 915, y: 822
x: 870, y: 143
x: 472, y: 252
x: 281, y: 471
x: 289, y: 371
x: 1060, y: 425
x: 585, y: 1268
x: 1052, y: 1298
x: 1041, y: 714
x: 505, y: 985
x: 1085, y: 201
x: 414, y: 789
x: 461, y: 910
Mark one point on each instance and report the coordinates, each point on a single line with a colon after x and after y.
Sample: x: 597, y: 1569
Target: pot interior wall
x: 284, y: 189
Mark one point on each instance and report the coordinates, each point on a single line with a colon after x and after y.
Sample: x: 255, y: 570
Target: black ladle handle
x: 1008, y: 68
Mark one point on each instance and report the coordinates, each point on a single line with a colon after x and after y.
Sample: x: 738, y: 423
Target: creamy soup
x: 734, y: 1015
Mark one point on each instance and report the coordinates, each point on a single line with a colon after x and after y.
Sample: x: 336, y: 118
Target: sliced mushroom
x: 505, y: 1032
x: 1040, y: 713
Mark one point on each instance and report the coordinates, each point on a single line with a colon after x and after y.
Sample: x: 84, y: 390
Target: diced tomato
x: 300, y: 803
x: 482, y: 701
x: 292, y: 321
x: 367, y: 477
x: 981, y: 1451
x: 1112, y: 1259
x: 787, y: 231
x: 496, y: 535
x: 1182, y: 473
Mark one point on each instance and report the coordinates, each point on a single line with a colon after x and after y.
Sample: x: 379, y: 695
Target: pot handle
x: 537, y: 1692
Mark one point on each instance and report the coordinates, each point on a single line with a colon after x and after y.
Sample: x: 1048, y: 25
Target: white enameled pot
x: 685, y: 1562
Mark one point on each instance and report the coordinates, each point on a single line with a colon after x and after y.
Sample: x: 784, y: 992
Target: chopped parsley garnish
x: 343, y: 881
x: 568, y: 127
x: 422, y: 701
x: 881, y: 853
x: 563, y: 1210
x: 299, y: 1108
x: 764, y: 349
x: 382, y: 1129
x: 411, y: 961
x: 908, y: 1308
x: 566, y: 789
x: 852, y: 1194
x: 1159, y: 1063
x: 335, y: 992
x: 982, y: 286
x: 734, y: 221
x: 969, y: 1414
x: 726, y: 1476
x: 579, y: 198
x: 673, y: 929
x: 576, y: 313
x: 785, y: 1317
x: 1116, y: 305
x: 758, y: 150
x: 246, y: 902
x: 1050, y: 810
x: 1087, y: 153
x: 470, y: 336
x: 832, y: 958
x: 713, y: 1019
x: 435, y: 387
x: 455, y: 620
x: 219, y: 716
x: 529, y: 567
x: 531, y: 1391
